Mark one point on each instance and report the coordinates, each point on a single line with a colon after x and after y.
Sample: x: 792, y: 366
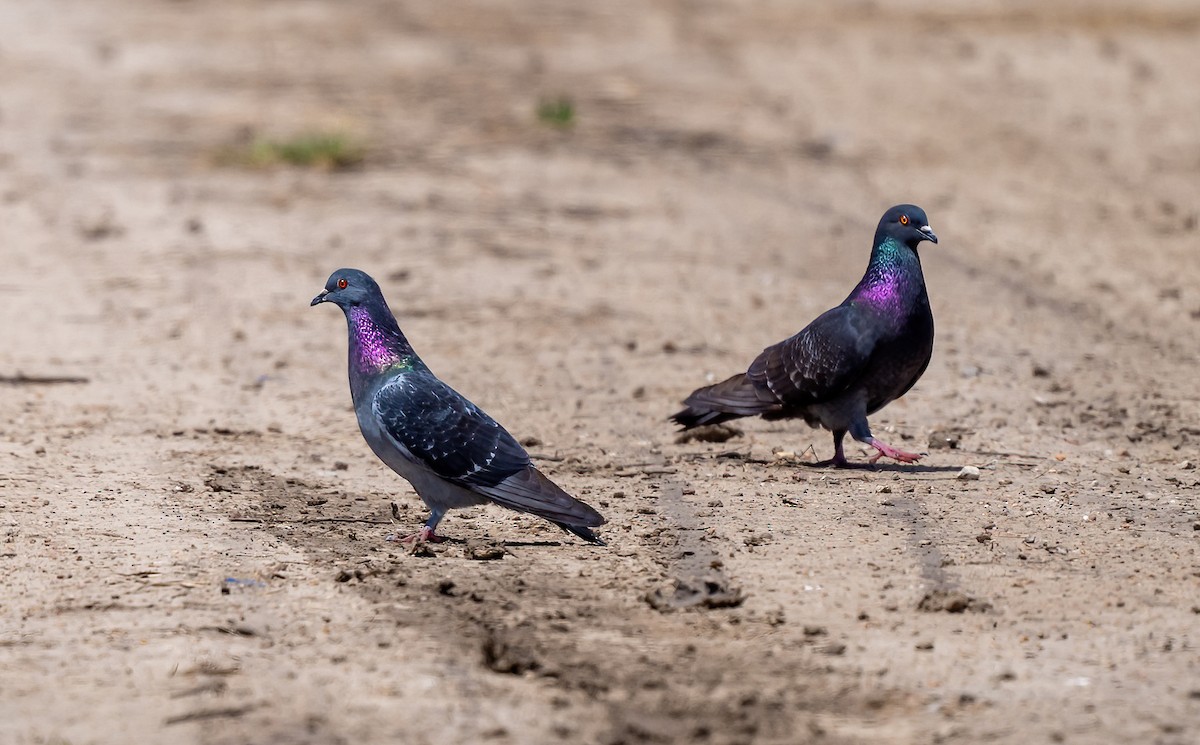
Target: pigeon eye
x: 903, y: 219
x: 341, y: 283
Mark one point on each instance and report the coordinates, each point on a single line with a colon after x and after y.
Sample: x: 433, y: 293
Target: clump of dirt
x: 946, y: 438
x: 422, y: 549
x: 947, y: 600
x: 484, y: 549
x: 712, y: 591
x: 708, y: 433
x: 505, y: 651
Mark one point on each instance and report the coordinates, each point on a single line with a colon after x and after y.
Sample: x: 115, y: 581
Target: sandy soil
x: 193, y: 538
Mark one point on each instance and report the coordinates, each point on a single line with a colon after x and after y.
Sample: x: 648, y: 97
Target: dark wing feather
x: 451, y: 436
x: 458, y: 441
x: 821, y: 361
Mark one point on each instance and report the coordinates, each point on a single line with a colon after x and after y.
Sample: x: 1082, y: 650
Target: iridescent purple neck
x: 893, y: 282
x: 376, y: 343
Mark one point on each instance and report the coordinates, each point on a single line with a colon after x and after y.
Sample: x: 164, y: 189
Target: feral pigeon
x: 452, y: 453
x: 852, y: 360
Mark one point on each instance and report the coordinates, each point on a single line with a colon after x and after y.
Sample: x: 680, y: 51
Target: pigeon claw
x: 893, y: 453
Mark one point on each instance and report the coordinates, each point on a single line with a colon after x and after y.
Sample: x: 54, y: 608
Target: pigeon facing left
x: 452, y: 453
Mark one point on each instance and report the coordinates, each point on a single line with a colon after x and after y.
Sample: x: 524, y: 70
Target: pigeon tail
x: 730, y: 399
x: 531, y: 492
x: 584, y: 533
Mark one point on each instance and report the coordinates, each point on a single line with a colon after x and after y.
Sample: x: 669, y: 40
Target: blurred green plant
x: 325, y: 151
x: 556, y: 112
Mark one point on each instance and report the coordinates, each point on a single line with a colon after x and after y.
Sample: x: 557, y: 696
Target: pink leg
x: 839, y: 455
x: 891, y: 452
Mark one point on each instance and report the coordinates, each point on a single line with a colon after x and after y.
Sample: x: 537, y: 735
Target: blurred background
x: 1051, y: 142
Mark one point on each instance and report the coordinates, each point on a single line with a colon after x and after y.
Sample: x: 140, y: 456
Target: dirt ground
x: 193, y: 529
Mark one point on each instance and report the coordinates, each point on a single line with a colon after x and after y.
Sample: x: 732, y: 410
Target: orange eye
x: 903, y: 219
x: 342, y: 282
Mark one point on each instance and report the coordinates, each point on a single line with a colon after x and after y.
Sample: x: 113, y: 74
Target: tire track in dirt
x: 945, y: 589
x: 698, y: 575
x: 642, y: 642
x: 928, y: 540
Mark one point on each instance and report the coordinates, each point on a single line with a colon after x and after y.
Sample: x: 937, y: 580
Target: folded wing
x: 820, y: 362
x: 459, y: 442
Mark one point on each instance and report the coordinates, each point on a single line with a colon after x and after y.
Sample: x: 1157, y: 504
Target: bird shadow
x: 882, y: 467
x: 530, y: 544
x: 454, y: 541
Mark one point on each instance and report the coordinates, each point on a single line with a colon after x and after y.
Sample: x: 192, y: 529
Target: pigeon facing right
x: 852, y: 360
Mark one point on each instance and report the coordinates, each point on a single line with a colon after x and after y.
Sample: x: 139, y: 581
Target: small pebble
x: 968, y: 473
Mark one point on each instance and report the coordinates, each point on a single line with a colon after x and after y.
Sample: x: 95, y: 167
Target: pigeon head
x: 377, y: 344
x: 348, y: 288
x: 907, y: 224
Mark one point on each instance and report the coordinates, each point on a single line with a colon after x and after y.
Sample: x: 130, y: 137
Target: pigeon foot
x: 891, y: 452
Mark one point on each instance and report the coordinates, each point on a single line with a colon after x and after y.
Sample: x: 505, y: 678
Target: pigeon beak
x: 925, y: 229
x: 319, y: 298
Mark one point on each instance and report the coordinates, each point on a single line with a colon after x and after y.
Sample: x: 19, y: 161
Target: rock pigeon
x: 452, y: 453
x: 852, y: 360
